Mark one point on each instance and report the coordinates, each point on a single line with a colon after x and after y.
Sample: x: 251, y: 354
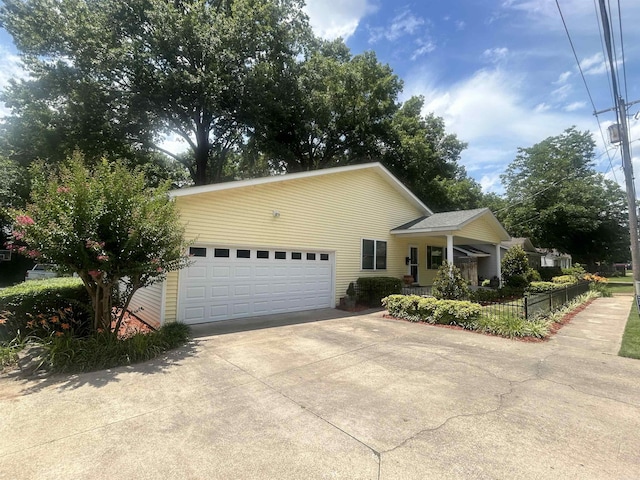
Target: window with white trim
x: 435, y: 257
x: 374, y: 254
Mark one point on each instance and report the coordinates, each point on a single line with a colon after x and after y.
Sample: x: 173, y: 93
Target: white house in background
x: 534, y: 257
x: 553, y: 258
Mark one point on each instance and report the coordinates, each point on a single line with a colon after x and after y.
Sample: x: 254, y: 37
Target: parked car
x: 41, y: 271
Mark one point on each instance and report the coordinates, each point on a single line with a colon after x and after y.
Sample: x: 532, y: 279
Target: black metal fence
x: 527, y: 307
x: 540, y: 303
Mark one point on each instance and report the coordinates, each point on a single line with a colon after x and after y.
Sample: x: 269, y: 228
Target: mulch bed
x: 131, y: 325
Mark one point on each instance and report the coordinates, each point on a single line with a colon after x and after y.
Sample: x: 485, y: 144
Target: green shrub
x: 432, y: 310
x: 484, y: 295
x: 547, y: 273
x: 98, y: 351
x: 486, y: 283
x: 27, y: 300
x: 565, y: 280
x: 515, y: 263
x: 542, y: 287
x: 371, y: 290
x: 516, y: 281
x: 576, y: 271
x: 449, y: 283
x: 601, y: 288
x: 513, y: 327
x: 533, y: 276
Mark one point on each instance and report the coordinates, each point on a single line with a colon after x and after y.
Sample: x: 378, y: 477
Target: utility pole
x: 621, y: 110
x: 631, y: 194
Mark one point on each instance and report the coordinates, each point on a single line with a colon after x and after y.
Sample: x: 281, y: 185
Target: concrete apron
x: 359, y: 397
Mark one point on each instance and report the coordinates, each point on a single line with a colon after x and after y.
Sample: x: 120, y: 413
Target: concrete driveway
x: 359, y: 397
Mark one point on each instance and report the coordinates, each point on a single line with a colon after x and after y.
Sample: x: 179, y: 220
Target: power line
x: 586, y: 86
x: 624, y: 63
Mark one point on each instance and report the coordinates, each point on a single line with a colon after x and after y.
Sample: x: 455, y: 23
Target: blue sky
x: 501, y: 73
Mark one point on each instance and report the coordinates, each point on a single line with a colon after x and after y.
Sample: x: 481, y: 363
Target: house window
x: 221, y: 252
x: 435, y: 257
x: 311, y: 256
x: 262, y: 254
x: 296, y: 256
x: 281, y: 255
x: 324, y: 256
x: 197, y: 251
x: 243, y: 254
x: 374, y: 254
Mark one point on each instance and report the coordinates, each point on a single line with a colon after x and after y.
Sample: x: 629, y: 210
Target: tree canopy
x: 244, y: 83
x: 556, y: 198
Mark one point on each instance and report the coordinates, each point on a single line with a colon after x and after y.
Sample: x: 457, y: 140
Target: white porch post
x: 498, y: 264
x: 450, y: 249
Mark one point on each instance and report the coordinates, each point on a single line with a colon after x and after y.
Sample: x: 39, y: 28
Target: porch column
x: 450, y: 249
x: 498, y: 264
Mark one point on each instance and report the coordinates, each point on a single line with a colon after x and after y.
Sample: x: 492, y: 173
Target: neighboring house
x: 295, y: 242
x: 553, y: 258
x: 535, y: 257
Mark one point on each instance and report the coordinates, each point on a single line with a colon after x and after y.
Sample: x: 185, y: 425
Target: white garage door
x: 227, y: 282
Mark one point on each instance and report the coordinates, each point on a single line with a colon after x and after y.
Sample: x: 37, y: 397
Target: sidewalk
x: 599, y: 327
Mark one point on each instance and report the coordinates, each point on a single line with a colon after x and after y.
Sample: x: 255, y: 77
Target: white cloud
x: 596, y: 64
x: 562, y: 92
x: 492, y: 112
x: 495, y: 55
x: 339, y: 19
x: 563, y: 78
x: 572, y: 107
x: 460, y: 25
x: 491, y: 183
x: 403, y: 24
x: 424, y: 47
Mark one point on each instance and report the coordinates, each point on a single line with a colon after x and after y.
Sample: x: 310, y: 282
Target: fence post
x: 526, y: 310
x: 566, y: 294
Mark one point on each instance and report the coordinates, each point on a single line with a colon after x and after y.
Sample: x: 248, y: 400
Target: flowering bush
x: 105, y: 226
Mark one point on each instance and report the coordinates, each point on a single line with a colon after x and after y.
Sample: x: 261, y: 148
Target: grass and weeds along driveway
x: 631, y: 337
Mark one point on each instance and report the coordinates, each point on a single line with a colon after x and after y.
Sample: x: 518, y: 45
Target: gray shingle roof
x: 443, y: 220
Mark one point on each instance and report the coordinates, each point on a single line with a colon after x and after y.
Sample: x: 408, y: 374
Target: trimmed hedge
x: 431, y: 310
x: 565, y: 280
x: 543, y: 287
x: 371, y: 290
x: 29, y: 299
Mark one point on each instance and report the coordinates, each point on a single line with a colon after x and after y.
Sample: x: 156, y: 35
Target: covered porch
x: 469, y: 239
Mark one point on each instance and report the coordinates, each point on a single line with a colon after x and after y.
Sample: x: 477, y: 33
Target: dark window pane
x: 243, y: 254
x: 368, y: 249
x: 311, y: 256
x: 296, y: 256
x: 197, y: 251
x: 324, y: 256
x: 263, y: 254
x: 435, y: 256
x: 281, y: 255
x: 381, y: 255
x: 221, y: 252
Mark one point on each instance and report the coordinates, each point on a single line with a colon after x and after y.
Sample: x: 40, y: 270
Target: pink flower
x: 21, y: 249
x: 63, y: 190
x: 159, y: 269
x: 17, y: 235
x: 103, y: 258
x: 95, y: 273
x: 24, y: 220
x: 33, y: 253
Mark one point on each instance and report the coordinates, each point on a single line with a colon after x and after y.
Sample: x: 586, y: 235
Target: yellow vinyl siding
x: 481, y: 230
x: 331, y: 212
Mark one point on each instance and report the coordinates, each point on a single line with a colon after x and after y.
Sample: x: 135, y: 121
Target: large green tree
x: 109, y: 76
x: 331, y: 109
x: 556, y: 197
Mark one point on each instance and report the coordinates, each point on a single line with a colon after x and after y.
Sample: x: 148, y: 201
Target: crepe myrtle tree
x: 105, y: 226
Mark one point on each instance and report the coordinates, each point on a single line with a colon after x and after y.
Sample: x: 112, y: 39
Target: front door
x: 413, y: 263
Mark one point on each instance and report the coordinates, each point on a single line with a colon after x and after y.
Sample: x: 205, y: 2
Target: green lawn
x: 628, y: 278
x: 631, y: 338
x: 620, y: 287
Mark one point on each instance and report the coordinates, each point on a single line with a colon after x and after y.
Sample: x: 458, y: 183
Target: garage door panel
x: 220, y: 288
x: 196, y: 293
